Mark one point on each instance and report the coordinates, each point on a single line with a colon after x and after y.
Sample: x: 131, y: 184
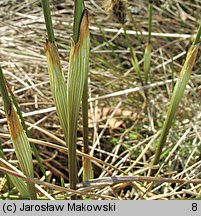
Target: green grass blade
x: 22, y: 150
x: 87, y: 166
x: 150, y: 8
x: 26, y: 130
x: 198, y: 35
x: 136, y: 65
x: 48, y: 20
x: 175, y: 99
x: 77, y: 75
x: 78, y: 10
x: 57, y: 81
x: 134, y: 59
x: 147, y: 53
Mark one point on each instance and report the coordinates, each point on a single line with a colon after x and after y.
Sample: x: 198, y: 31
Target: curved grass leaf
x: 57, y: 84
x: 18, y: 136
x: 175, y: 99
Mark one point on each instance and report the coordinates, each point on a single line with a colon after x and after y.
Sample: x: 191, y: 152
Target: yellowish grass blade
x: 87, y: 169
x: 176, y: 98
x: 136, y: 66
x: 18, y: 136
x: 57, y: 84
x: 147, y: 61
x: 22, y: 148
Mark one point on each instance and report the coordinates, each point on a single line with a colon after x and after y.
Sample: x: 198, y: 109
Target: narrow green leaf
x: 147, y: 53
x: 136, y: 66
x: 48, y: 20
x: 78, y: 10
x: 87, y: 166
x: 150, y: 8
